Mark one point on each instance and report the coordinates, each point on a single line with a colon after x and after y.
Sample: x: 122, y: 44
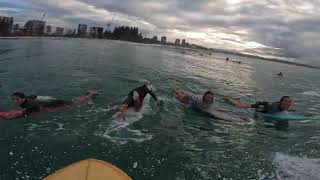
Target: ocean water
x: 162, y: 142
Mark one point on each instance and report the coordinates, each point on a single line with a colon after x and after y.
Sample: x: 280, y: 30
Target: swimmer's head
x: 18, y: 98
x: 136, y: 99
x: 208, y: 97
x: 135, y: 95
x: 285, y: 103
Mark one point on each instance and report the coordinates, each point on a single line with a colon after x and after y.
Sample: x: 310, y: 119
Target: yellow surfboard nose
x: 90, y: 169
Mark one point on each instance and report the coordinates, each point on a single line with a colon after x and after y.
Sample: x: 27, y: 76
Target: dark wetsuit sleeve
x: 56, y: 104
x: 31, y: 109
x: 152, y: 94
x: 261, y: 106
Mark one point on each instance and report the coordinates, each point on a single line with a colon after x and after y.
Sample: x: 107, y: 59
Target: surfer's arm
x: 149, y: 91
x: 153, y: 96
x: 85, y: 98
x: 238, y: 104
x: 121, y: 109
x: 257, y: 105
x: 31, y: 109
x: 181, y: 96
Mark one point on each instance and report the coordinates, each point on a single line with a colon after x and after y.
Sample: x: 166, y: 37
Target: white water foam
x: 290, y: 167
x: 60, y: 127
x: 118, y: 131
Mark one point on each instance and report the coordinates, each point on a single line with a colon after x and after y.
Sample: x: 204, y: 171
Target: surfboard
x: 284, y: 116
x: 90, y: 169
x: 222, y: 115
x: 10, y: 114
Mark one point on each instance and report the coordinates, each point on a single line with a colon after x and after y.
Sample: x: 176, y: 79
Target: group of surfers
x: 33, y: 104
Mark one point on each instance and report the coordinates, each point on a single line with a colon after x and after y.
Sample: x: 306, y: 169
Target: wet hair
x: 206, y: 93
x: 284, y: 97
x: 19, y: 94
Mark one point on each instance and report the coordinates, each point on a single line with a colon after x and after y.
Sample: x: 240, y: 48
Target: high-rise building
x: 82, y: 29
x: 59, y: 31
x: 155, y: 38
x: 15, y: 28
x: 96, y: 32
x: 163, y: 39
x: 35, y: 27
x: 48, y: 29
x: 183, y: 43
x: 5, y: 25
x: 69, y: 32
x: 177, y: 42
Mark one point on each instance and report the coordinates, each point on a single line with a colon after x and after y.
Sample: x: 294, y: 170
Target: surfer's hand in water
x: 91, y: 93
x: 117, y: 116
x: 121, y: 109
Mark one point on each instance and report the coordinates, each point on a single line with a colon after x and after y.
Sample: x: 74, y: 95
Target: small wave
x: 99, y: 109
x: 2, y: 71
x: 314, y: 117
x: 311, y: 93
x: 6, y: 51
x: 144, y: 81
x: 60, y: 127
x: 290, y: 167
x: 32, y: 127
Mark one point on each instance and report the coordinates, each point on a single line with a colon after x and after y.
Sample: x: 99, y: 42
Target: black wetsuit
x: 266, y: 107
x: 32, y: 106
x: 142, y: 91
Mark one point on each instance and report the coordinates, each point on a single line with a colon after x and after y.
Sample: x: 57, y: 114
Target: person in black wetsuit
x: 264, y: 106
x: 280, y: 74
x: 135, y: 99
x: 31, y: 105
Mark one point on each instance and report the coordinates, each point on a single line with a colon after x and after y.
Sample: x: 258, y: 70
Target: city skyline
x: 8, y: 27
x: 283, y: 28
x: 124, y: 33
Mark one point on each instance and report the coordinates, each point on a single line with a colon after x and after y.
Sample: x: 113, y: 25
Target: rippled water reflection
x: 165, y: 142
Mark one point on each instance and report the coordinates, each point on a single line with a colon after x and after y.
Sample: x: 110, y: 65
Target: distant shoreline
x: 210, y: 50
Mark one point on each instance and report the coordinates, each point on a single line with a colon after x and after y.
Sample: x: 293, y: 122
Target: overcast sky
x: 281, y: 28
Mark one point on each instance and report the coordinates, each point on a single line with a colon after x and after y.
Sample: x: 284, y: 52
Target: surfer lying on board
x: 135, y: 99
x: 193, y: 101
x: 204, y: 104
x: 30, y: 104
x: 264, y: 107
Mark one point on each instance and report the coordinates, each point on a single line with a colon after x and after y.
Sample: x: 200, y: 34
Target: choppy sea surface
x: 162, y: 142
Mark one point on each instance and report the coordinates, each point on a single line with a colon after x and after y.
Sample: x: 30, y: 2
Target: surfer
x: 264, y: 106
x: 204, y: 104
x: 280, y: 74
x: 135, y: 99
x: 31, y: 105
x: 196, y: 102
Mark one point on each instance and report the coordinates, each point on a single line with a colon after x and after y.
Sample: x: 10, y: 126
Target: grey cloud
x: 283, y: 27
